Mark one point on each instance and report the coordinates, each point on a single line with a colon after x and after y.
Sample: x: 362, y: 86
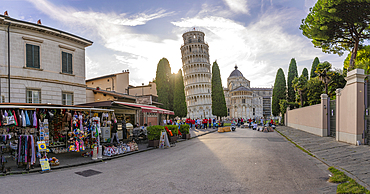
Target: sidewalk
x: 72, y: 159
x: 353, y: 160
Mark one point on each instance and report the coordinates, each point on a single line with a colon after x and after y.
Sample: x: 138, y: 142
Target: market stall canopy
x: 51, y: 106
x: 146, y: 108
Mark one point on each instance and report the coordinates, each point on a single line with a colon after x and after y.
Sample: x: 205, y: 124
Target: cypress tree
x: 305, y: 73
x: 279, y: 92
x: 292, y: 73
x: 313, y: 68
x: 179, y: 103
x: 163, y: 82
x: 171, y: 95
x: 218, y: 98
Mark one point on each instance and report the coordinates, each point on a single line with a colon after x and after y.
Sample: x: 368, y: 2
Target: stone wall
x: 312, y: 119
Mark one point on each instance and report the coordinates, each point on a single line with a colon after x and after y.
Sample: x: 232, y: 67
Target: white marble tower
x: 197, y: 75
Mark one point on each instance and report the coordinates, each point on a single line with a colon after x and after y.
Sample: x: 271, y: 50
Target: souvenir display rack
x: 28, y: 124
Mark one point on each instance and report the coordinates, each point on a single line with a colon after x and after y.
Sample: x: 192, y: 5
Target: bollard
x: 95, y: 153
x: 100, y: 152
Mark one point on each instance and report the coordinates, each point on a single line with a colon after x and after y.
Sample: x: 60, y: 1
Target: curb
x: 92, y: 161
x: 359, y: 181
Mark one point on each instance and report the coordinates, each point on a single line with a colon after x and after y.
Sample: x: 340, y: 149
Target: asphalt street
x: 244, y: 161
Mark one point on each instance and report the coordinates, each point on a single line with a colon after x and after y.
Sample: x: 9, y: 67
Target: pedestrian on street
x: 114, y: 131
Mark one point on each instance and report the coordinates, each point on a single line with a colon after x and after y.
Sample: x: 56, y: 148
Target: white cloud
x: 139, y: 52
x: 258, y: 49
x: 238, y: 6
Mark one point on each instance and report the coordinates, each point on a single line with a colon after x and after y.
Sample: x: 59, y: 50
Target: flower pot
x: 173, y: 139
x: 186, y: 136
x: 153, y: 143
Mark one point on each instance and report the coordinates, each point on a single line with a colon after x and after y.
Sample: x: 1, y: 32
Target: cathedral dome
x: 236, y: 73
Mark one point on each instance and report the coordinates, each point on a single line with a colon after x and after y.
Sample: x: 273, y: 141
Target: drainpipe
x: 112, y: 84
x: 8, y: 63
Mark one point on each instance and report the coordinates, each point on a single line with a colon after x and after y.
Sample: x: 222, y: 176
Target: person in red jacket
x: 209, y: 122
x: 193, y: 123
x: 205, y: 121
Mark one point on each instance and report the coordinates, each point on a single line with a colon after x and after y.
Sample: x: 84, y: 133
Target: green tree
x: 292, y: 73
x: 336, y: 26
x: 171, y: 95
x: 300, y: 86
x: 313, y: 67
x: 315, y: 88
x: 324, y: 74
x: 362, y: 60
x: 218, y: 97
x: 305, y: 73
x: 179, y: 103
x: 162, y: 79
x: 336, y: 81
x: 279, y: 92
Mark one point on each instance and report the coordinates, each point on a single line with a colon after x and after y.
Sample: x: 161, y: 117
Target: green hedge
x: 184, y: 129
x: 174, y: 129
x: 154, y: 132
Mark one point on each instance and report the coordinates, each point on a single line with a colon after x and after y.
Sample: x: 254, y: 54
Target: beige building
x: 135, y: 104
x: 118, y: 82
x: 242, y: 101
x: 197, y: 75
x: 46, y: 65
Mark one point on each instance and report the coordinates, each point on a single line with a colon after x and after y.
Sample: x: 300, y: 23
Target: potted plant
x: 172, y: 136
x: 154, y: 134
x: 184, y: 129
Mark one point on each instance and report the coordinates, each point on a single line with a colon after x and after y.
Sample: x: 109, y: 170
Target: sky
x: 259, y: 36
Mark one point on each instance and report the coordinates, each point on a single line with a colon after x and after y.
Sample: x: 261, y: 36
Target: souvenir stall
x: 28, y: 132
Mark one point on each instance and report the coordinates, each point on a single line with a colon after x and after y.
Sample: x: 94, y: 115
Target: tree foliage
x: 336, y: 81
x: 315, y: 88
x: 336, y: 26
x: 163, y: 83
x: 279, y: 92
x: 179, y: 102
x: 300, y: 86
x: 305, y: 73
x: 292, y: 73
x: 313, y: 67
x: 362, y: 60
x: 218, y: 97
x: 324, y: 74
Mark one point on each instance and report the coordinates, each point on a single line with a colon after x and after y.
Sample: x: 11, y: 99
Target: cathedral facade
x: 242, y: 101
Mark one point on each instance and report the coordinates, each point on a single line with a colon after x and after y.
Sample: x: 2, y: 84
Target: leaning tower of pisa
x: 197, y: 75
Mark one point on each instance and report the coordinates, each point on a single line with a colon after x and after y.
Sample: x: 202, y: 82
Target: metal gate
x: 332, y: 120
x: 367, y: 116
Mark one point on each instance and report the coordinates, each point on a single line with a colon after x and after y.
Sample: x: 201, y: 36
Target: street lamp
x: 142, y: 89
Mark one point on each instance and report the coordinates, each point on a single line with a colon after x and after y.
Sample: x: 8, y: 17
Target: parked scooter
x: 233, y: 127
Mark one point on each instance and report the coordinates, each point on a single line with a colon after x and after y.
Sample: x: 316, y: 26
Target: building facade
x: 242, y: 101
x: 135, y: 104
x: 46, y: 65
x: 197, y: 75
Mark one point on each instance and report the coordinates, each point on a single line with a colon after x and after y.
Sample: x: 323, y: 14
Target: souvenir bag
x: 11, y: 120
x: 5, y: 118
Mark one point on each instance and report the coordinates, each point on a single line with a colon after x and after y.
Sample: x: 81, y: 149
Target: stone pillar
x: 350, y: 104
x: 324, y: 115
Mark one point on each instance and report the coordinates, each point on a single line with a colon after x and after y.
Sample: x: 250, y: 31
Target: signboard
x: 44, y: 164
x: 163, y: 141
x: 42, y: 146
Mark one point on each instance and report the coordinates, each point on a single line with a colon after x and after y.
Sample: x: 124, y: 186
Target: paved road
x: 353, y: 160
x: 244, y: 161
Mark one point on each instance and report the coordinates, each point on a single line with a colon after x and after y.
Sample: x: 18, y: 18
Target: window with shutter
x: 67, y: 63
x: 32, y: 56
